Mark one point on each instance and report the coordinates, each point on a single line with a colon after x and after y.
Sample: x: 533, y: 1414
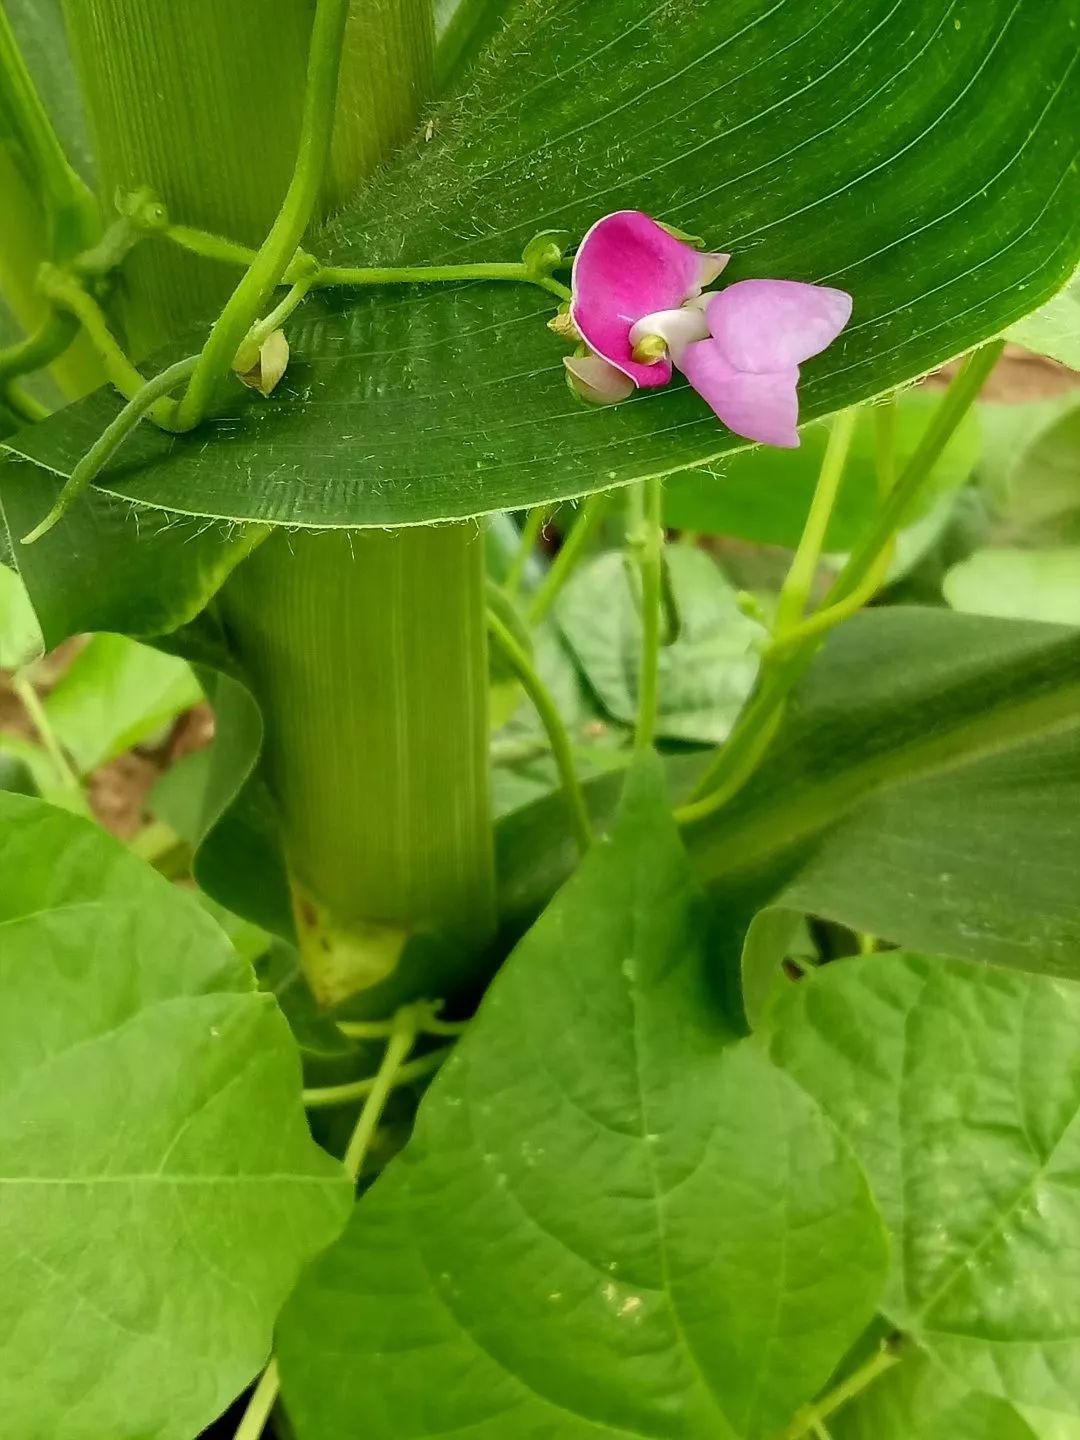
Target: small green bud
x: 545, y: 251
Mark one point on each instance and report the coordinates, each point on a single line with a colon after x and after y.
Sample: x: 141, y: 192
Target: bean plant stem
x: 109, y: 441
x: 39, y: 716
x: 790, y: 656
x: 322, y: 1097
x: 647, y: 547
x: 64, y: 289
x: 905, y: 494
x: 885, y: 444
x: 848, y: 1390
x: 795, y: 591
x: 389, y: 1074
x: 552, y: 722
x: 573, y: 547
x: 52, y: 337
x: 296, y: 213
x: 530, y: 535
x: 260, y: 1404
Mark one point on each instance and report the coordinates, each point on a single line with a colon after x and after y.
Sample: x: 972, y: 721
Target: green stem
x: 262, y: 1401
x: 573, y: 547
x: 22, y: 404
x: 217, y: 247
x: 39, y: 716
x: 754, y: 731
x: 428, y: 1023
x: 52, y: 337
x: 795, y: 591
x: 790, y: 655
x: 552, y: 722
x: 848, y: 1390
x: 294, y: 217
x: 322, y: 1097
x: 109, y: 441
x: 646, y: 539
x: 530, y: 535
x: 66, y: 291
x: 885, y: 416
x: 389, y: 1074
x: 905, y: 494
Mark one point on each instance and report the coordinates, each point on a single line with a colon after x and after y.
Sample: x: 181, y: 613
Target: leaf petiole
x: 323, y: 1097
x: 645, y: 541
x: 809, y: 1420
x: 109, y: 441
x: 789, y: 656
x: 552, y: 722
x: 589, y: 518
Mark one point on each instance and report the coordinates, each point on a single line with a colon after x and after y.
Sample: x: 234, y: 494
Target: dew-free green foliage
x: 611, y: 1216
x: 20, y: 635
x: 923, y: 787
x: 116, y: 695
x: 159, y: 1191
x: 921, y: 1400
x: 763, y: 494
x: 1041, y: 584
x: 706, y: 670
x: 959, y: 1089
x: 825, y: 142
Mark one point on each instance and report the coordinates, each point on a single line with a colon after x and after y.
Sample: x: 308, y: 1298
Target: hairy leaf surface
x: 814, y: 139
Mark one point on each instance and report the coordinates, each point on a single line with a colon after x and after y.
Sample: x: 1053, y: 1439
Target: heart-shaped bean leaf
x: 612, y: 1219
x: 159, y: 1189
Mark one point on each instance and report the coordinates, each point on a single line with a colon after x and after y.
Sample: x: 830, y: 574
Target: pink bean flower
x: 638, y: 304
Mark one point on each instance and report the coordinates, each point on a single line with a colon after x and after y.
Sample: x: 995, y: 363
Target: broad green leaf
x: 1018, y: 584
x: 159, y: 1189
x: 1054, y: 329
x: 116, y: 694
x: 918, y: 1400
x: 959, y: 1087
x: 1032, y: 470
x: 20, y: 636
x: 612, y: 1218
x: 827, y: 142
x: 706, y: 672
x: 922, y: 789
x: 764, y: 494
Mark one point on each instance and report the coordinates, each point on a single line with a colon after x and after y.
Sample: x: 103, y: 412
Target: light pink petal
x: 759, y: 407
x: 765, y: 325
x: 628, y: 266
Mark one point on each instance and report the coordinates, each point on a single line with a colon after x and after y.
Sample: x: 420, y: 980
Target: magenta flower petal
x: 628, y: 266
x: 764, y: 325
x: 758, y: 407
